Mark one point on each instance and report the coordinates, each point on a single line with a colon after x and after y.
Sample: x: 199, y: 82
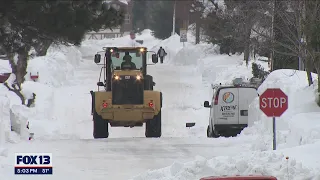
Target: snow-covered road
x: 127, y: 152
x: 120, y: 158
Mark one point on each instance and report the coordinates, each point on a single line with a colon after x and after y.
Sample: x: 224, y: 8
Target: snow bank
x: 19, y: 120
x: 56, y: 67
x: 91, y: 47
x: 54, y: 71
x: 4, y: 120
x: 172, y: 45
x: 300, y: 123
x: 255, y: 163
x: 177, y: 52
x: 192, y: 54
x: 242, y: 71
x: 4, y: 66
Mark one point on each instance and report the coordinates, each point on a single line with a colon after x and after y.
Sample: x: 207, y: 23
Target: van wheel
x: 211, y: 134
x: 100, y: 127
x: 153, y: 126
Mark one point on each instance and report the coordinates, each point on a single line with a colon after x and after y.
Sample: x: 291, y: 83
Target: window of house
x: 127, y: 19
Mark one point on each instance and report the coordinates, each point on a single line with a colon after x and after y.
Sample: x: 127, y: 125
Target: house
x: 127, y: 25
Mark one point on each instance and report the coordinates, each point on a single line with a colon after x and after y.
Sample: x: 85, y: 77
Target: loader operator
x: 127, y: 63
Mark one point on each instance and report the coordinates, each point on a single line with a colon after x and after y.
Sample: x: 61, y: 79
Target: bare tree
x: 199, y: 9
x: 295, y: 27
x: 245, y: 15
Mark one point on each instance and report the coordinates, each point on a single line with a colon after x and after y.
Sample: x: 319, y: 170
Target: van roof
x: 226, y: 87
x: 258, y: 177
x: 230, y: 86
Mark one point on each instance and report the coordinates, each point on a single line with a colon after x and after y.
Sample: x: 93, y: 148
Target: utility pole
x: 272, y: 36
x: 303, y: 38
x: 174, y: 19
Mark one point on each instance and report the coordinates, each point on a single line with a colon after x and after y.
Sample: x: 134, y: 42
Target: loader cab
x: 127, y: 84
x: 114, y: 57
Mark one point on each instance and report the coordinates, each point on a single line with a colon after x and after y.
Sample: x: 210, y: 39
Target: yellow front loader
x: 127, y: 98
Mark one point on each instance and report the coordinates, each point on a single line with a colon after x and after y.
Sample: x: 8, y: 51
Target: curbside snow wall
x: 293, y: 127
x: 4, y: 120
x: 55, y: 69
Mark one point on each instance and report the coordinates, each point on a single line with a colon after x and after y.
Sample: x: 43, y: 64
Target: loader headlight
x: 116, y: 77
x: 138, y: 77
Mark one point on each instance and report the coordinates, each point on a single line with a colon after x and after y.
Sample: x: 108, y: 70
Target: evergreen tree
x: 26, y: 24
x: 139, y: 12
x: 161, y: 24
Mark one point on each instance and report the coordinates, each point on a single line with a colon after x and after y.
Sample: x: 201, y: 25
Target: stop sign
x: 273, y: 102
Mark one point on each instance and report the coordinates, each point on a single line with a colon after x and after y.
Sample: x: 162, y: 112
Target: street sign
x: 183, y: 35
x: 273, y: 102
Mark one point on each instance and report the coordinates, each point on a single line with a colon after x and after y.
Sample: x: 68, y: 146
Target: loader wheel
x: 148, y: 82
x: 153, y: 126
x: 100, y: 127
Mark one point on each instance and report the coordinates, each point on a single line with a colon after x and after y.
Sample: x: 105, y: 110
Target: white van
x: 229, y: 109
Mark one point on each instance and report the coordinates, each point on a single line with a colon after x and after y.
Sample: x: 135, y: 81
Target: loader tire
x: 100, y: 127
x: 148, y: 82
x: 153, y: 127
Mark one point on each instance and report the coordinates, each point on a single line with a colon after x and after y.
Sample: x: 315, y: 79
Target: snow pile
x: 192, y: 54
x: 172, y: 45
x: 4, y: 119
x: 19, y: 120
x: 243, y: 71
x: 300, y: 123
x: 4, y: 66
x: 148, y: 40
x: 90, y: 47
x: 255, y: 163
x: 56, y: 67
x: 54, y: 71
x: 175, y: 49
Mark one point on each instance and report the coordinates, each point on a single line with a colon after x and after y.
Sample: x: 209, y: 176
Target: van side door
x: 246, y: 96
x: 226, y: 109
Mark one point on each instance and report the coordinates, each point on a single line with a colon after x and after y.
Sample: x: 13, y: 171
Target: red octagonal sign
x: 273, y: 102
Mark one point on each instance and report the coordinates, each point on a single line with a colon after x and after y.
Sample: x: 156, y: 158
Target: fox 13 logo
x: 33, y: 163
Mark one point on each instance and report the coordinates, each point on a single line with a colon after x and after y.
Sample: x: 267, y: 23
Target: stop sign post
x: 273, y: 102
